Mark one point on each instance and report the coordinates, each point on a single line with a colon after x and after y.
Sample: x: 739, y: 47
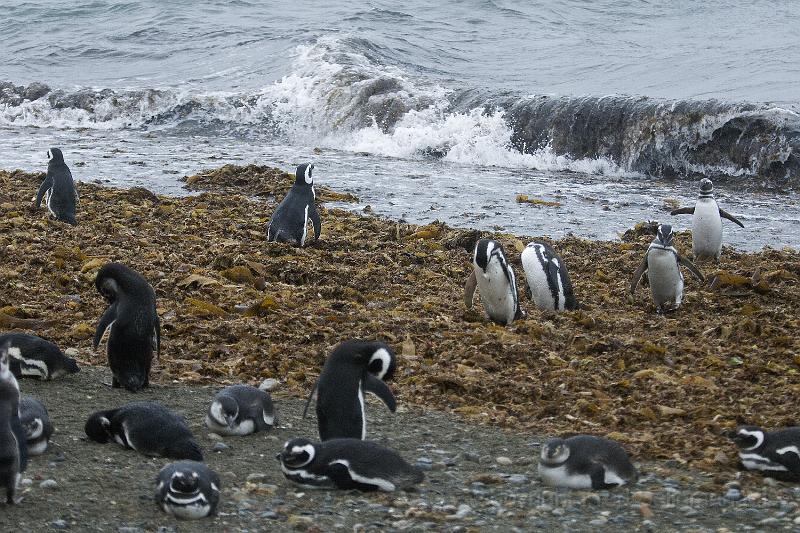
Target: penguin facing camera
x: 188, y: 490
x: 36, y: 422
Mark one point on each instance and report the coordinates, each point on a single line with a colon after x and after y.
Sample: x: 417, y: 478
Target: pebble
x: 504, y: 461
x: 213, y: 436
x: 646, y: 511
x: 471, y: 457
x: 271, y: 515
x: 601, y: 521
x: 269, y: 384
x: 26, y: 482
x: 257, y: 477
x: 129, y: 529
x: 219, y: 447
x: 461, y: 513
x: 59, y: 524
x: 591, y: 499
x: 733, y: 495
x: 557, y: 512
x: 643, y: 496
x: 771, y: 521
x: 797, y: 520
x: 517, y: 479
x: 49, y: 484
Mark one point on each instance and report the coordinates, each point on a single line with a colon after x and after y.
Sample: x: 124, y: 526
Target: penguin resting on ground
x: 775, y: 453
x: 32, y: 356
x: 146, y: 427
x: 36, y: 422
x: 662, y: 261
x: 289, y: 222
x: 585, y: 462
x: 706, y: 223
x: 188, y: 490
x: 347, y: 464
x: 353, y: 368
x: 240, y: 410
x: 58, y: 189
x: 548, y: 281
x: 495, y: 281
x: 135, y: 327
x: 13, y: 449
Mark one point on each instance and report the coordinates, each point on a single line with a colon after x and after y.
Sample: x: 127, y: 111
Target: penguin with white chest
x: 706, y: 223
x: 549, y: 285
x: 774, y: 453
x: 353, y: 369
x: 494, y: 278
x: 662, y: 263
x: 135, y: 329
x: 13, y: 449
x: 347, y: 464
x: 240, y: 410
x: 585, y: 462
x: 34, y: 357
x: 289, y: 222
x: 146, y: 427
x: 188, y: 490
x: 35, y: 421
x: 58, y: 189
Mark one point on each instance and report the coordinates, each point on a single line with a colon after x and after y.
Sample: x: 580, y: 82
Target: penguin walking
x: 585, y: 462
x: 240, y: 410
x: 13, y: 449
x: 774, y: 453
x: 146, y: 427
x: 289, y: 222
x: 548, y: 281
x: 495, y: 281
x: 36, y: 423
x: 347, y: 464
x: 32, y: 356
x: 353, y: 368
x: 188, y: 490
x: 135, y: 329
x: 58, y: 189
x: 662, y: 261
x: 706, y: 223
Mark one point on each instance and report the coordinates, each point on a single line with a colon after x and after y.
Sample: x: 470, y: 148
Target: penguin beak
x: 278, y: 456
x: 231, y: 420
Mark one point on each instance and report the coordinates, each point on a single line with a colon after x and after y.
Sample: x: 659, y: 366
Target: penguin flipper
x: 43, y: 188
x: 380, y: 389
x: 315, y: 220
x: 310, y: 396
x: 692, y: 268
x: 105, y: 321
x: 725, y: 214
x: 469, y: 290
x: 682, y: 211
x: 637, y: 276
x: 597, y: 474
x: 157, y: 332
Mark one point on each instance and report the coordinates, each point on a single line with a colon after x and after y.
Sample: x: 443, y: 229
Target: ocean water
x: 426, y: 110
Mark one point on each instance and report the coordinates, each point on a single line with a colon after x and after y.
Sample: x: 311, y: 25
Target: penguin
x: 706, y: 223
x: 347, y: 464
x: 353, y: 368
x: 289, y: 222
x: 32, y: 356
x: 548, y: 281
x: 495, y: 281
x: 240, y: 410
x: 146, y: 427
x: 775, y: 453
x: 58, y: 189
x: 135, y: 329
x: 36, y: 423
x: 13, y: 449
x: 585, y: 462
x: 188, y: 490
x: 662, y: 261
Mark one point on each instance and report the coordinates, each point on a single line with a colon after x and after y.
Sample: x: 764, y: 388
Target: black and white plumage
x: 585, y: 462
x: 146, y: 427
x: 494, y: 278
x: 347, y: 464
x: 289, y: 222
x: 353, y: 368
x: 32, y: 356
x: 13, y: 449
x: 188, y: 490
x: 775, y: 453
x: 549, y: 285
x: 706, y: 223
x: 662, y: 263
x: 36, y: 422
x: 240, y: 410
x: 58, y: 189
x: 135, y: 329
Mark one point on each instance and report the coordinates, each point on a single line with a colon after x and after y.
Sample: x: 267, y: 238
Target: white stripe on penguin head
x: 307, y: 176
x: 758, y: 434
x: 382, y: 355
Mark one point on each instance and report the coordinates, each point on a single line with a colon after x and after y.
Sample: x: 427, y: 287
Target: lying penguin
x: 549, y: 285
x: 494, y: 278
x: 188, y: 490
x: 32, y: 356
x: 36, y: 423
x: 585, y: 462
x: 240, y: 410
x: 774, y: 453
x: 347, y: 464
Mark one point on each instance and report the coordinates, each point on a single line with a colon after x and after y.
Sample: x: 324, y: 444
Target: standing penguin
x: 289, y: 222
x: 32, y: 356
x: 662, y: 261
x: 585, y: 462
x: 58, y: 189
x: 134, y: 324
x: 495, y: 281
x: 775, y: 453
x: 353, y: 368
x: 36, y: 422
x: 548, y: 281
x: 13, y: 449
x: 240, y: 410
x: 706, y: 223
x: 347, y: 464
x: 187, y: 489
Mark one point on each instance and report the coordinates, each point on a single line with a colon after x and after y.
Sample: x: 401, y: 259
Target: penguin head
x: 554, y: 451
x: 382, y: 361
x: 55, y: 156
x: 108, y: 287
x: 487, y: 250
x: 747, y: 437
x: 706, y: 186
x: 303, y: 175
x: 185, y: 481
x: 224, y: 410
x: 665, y: 236
x: 98, y: 427
x: 296, y: 453
x: 71, y: 365
x: 33, y: 428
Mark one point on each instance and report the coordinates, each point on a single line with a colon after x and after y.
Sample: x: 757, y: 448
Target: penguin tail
x: 186, y: 450
x: 69, y: 219
x: 133, y: 383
